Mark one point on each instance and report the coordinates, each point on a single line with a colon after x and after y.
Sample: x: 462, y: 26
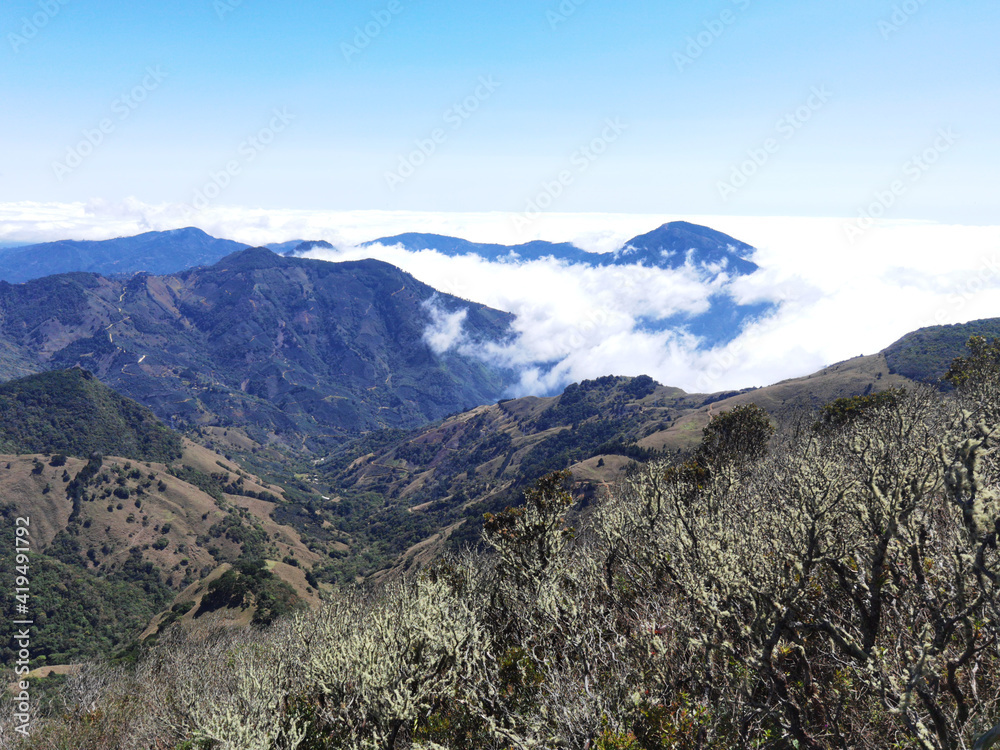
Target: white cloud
x: 446, y: 329
x: 579, y: 320
x: 837, y: 299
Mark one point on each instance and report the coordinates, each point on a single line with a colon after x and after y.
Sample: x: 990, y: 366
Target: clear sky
x: 728, y: 107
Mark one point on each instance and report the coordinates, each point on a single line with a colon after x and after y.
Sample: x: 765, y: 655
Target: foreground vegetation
x: 832, y: 586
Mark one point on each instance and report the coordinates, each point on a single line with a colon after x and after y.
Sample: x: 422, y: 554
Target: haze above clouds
x: 837, y: 299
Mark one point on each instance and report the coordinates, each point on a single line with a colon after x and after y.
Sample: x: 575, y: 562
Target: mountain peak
x: 185, y: 232
x: 676, y: 243
x: 252, y: 258
x: 183, y: 235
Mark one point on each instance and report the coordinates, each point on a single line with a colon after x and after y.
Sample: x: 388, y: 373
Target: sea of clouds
x: 838, y: 295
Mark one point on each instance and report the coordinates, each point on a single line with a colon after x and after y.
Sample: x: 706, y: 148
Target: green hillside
x: 77, y: 614
x: 926, y: 354
x: 112, y: 542
x: 71, y: 412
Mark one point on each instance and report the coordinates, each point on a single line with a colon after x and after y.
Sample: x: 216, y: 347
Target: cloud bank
x: 836, y: 298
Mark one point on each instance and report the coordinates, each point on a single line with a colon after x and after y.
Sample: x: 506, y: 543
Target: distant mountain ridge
x: 151, y: 252
x: 670, y: 246
x: 712, y: 255
x: 453, y: 246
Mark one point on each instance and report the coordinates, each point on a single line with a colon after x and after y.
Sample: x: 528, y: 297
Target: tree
x: 844, y: 411
x: 976, y: 377
x: 527, y: 538
x: 978, y: 370
x: 741, y: 434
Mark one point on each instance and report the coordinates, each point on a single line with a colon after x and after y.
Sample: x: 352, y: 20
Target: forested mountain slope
x: 290, y: 349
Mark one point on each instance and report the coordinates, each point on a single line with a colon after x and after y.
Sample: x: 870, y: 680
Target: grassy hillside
x: 114, y: 541
x: 71, y: 412
x: 124, y: 514
x: 77, y: 615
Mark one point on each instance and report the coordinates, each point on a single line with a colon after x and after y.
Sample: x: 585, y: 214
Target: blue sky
x: 352, y: 119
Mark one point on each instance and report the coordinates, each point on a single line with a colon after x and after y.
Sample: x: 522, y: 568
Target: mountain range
x: 151, y: 252
x: 714, y: 257
x: 147, y: 547
x: 277, y: 345
x: 337, y: 438
x: 146, y: 525
x: 670, y: 246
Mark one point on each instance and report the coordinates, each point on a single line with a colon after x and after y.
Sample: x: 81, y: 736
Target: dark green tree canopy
x: 741, y: 433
